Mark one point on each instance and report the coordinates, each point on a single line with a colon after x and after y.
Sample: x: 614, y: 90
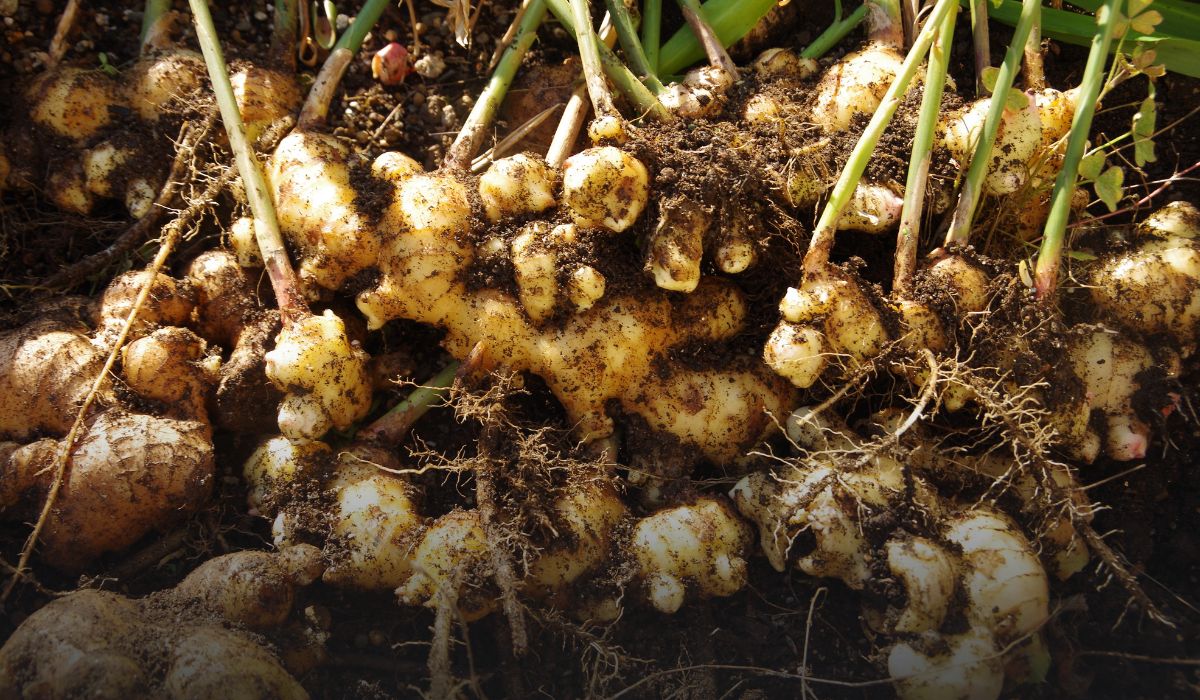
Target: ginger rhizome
x: 132, y: 472
x: 599, y: 348
x: 199, y: 639
x: 953, y: 560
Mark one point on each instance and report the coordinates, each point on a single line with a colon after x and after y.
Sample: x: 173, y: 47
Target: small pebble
x: 260, y: 16
x: 101, y: 19
x: 390, y: 35
x: 243, y: 24
x: 343, y: 23
x: 430, y: 66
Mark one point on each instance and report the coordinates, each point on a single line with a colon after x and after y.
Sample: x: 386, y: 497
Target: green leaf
x: 1120, y: 26
x: 107, y: 67
x: 1176, y: 41
x: 1143, y: 131
x: 1136, y: 7
x: 1146, y: 22
x: 1143, y: 57
x: 1091, y: 165
x: 988, y: 78
x: 1017, y: 100
x: 1108, y: 187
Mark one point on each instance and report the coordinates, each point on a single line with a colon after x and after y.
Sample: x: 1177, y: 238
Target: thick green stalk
x: 822, y: 240
x: 652, y: 32
x: 466, y: 144
x: 266, y: 225
x: 623, y: 78
x: 972, y: 189
x: 730, y: 19
x: 1064, y: 186
x: 834, y: 33
x: 316, y: 106
x: 922, y: 154
x: 632, y: 45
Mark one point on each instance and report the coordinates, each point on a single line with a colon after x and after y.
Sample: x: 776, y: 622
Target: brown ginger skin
x: 186, y: 642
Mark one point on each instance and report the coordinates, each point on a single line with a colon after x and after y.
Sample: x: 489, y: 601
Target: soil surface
x: 786, y: 635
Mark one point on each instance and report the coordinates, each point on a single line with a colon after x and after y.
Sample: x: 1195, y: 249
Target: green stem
x: 730, y: 19
x: 151, y: 14
x: 693, y: 14
x: 634, y: 52
x: 316, y: 106
x: 266, y: 225
x: 363, y: 22
x: 922, y: 154
x: 466, y: 144
x: 589, y: 55
x: 283, y: 35
x: 1034, y: 67
x: 1060, y: 204
x: 972, y: 189
x: 834, y: 33
x: 652, y: 32
x: 981, y: 42
x: 632, y: 88
x: 822, y: 240
x: 390, y: 428
x: 885, y: 23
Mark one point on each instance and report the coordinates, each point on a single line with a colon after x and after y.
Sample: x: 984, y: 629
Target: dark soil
x: 760, y: 643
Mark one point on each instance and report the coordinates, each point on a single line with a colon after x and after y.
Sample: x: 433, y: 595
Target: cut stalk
x: 922, y: 153
x: 391, y: 427
x: 266, y: 226
x: 717, y: 55
x: 316, y: 106
x: 1046, y: 274
x: 972, y: 189
x: 982, y: 43
x: 466, y: 144
x: 632, y: 46
x: 834, y: 33
x: 652, y: 32
x: 623, y: 78
x: 568, y: 128
x: 822, y: 239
